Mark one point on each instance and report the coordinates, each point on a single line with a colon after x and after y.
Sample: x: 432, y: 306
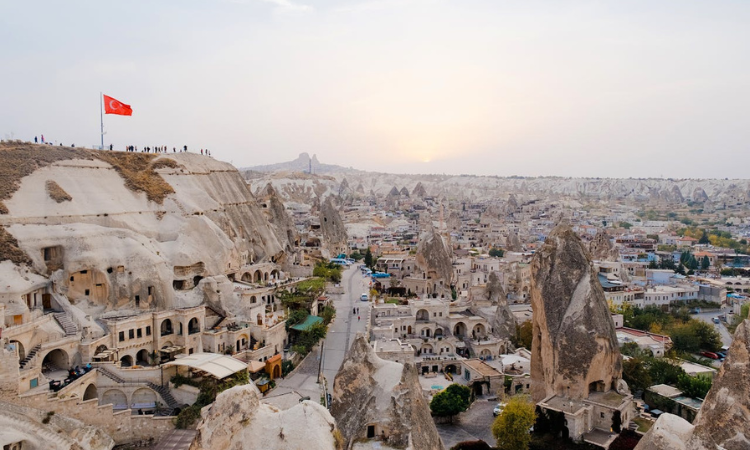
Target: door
x: 47, y: 301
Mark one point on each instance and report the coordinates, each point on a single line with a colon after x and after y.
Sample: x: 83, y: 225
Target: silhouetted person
x: 36, y: 141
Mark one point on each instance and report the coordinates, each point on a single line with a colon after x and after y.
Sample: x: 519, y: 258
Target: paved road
x: 303, y: 382
x: 708, y: 317
x: 475, y: 423
x: 345, y: 326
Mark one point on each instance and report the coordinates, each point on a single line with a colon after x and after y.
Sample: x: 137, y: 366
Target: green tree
x: 635, y: 373
x: 511, y: 427
x: 662, y: 371
x: 704, y: 238
x: 626, y: 225
x: 524, y: 333
x: 497, y: 252
x: 356, y: 255
x: 705, y: 263
x: 368, y: 258
x: 328, y: 313
x: 454, y: 399
x: 696, y: 387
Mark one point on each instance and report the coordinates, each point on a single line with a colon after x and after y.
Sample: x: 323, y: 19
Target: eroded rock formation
x: 433, y: 255
x: 602, y: 249
x: 370, y: 391
x: 503, y: 323
x: 237, y: 420
x: 574, y: 347
x: 333, y: 229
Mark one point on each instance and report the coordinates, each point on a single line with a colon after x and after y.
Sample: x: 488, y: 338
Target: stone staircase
x: 55, y: 440
x: 66, y: 323
x: 30, y: 356
x: 112, y: 376
x: 167, y: 396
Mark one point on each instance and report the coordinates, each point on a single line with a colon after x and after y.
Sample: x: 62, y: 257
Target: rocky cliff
x: 369, y: 391
x: 134, y: 224
x: 724, y: 419
x: 574, y: 344
x: 237, y: 420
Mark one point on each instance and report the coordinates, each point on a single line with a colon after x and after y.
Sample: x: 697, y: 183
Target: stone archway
x: 90, y: 393
x: 247, y: 278
x: 142, y: 358
x: 423, y: 314
x: 126, y: 361
x: 166, y: 327
x: 21, y: 350
x: 258, y: 276
x: 459, y: 330
x: 56, y: 359
x: 116, y: 398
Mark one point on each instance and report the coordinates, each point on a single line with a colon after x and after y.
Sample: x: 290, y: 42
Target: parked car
x: 711, y: 355
x: 716, y: 320
x: 364, y: 297
x: 722, y: 355
x: 498, y: 409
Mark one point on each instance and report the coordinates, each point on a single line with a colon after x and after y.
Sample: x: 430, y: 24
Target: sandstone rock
x: 333, y: 229
x: 434, y: 256
x: 237, y: 420
x: 419, y: 190
x: 514, y: 242
x: 385, y: 394
x: 699, y: 195
x: 512, y: 205
x: 279, y: 219
x: 602, y: 249
x: 404, y: 192
x: 724, y: 418
x: 670, y: 432
x: 394, y: 192
x: 504, y: 322
x: 574, y: 343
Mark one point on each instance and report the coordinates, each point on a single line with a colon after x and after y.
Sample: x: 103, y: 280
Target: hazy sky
x: 580, y: 88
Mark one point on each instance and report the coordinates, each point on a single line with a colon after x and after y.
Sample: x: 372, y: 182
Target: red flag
x: 112, y: 106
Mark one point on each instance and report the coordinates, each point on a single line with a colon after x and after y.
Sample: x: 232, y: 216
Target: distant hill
x: 303, y: 163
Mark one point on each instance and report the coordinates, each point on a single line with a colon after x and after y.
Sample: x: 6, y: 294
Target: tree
x: 626, y: 225
x: 662, y: 371
x: 368, y: 258
x: 704, y: 238
x: 524, y: 334
x: 634, y: 372
x: 356, y: 255
x: 295, y: 317
x: 705, y: 263
x: 497, y: 252
x: 511, y: 427
x: 696, y: 387
x: 454, y: 399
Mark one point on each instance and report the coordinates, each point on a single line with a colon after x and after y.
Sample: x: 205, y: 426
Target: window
x: 139, y: 333
x: 122, y: 336
x: 131, y: 334
x: 148, y: 331
x: 86, y: 292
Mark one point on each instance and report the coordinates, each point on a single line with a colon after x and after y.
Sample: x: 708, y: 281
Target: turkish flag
x: 112, y: 106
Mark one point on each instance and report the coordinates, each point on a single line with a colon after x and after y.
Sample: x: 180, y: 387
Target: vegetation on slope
x: 9, y: 249
x: 57, y: 193
x: 20, y: 159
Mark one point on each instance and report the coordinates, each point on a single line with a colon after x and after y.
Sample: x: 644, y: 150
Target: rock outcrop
x: 434, y: 256
x: 722, y: 422
x: 237, y: 420
x: 513, y: 242
x: 278, y: 218
x: 574, y: 343
x: 370, y: 391
x: 333, y: 229
x: 699, y: 195
x: 419, y: 190
x: 503, y: 322
x: 602, y: 249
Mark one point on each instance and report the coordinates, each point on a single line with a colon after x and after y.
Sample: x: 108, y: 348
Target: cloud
x: 286, y: 5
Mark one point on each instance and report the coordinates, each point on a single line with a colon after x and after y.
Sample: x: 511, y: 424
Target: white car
x: 364, y: 297
x: 498, y: 409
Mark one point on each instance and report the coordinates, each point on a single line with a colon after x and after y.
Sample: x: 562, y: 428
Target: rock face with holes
x: 722, y: 422
x: 237, y: 420
x: 204, y: 223
x: 378, y: 399
x: 574, y: 347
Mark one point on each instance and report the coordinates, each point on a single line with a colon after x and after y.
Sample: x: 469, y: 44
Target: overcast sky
x: 580, y: 88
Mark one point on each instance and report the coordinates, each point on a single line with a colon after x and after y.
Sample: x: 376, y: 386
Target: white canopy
x: 219, y: 366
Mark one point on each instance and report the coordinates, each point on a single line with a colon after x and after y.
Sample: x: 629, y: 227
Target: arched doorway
x: 258, y: 276
x: 194, y: 326
x: 423, y: 314
x: 275, y: 275
x: 408, y: 329
x: 166, y: 327
x: 438, y: 332
x: 100, y: 349
x: 21, y: 350
x: 90, y: 392
x: 143, y: 398
x: 276, y: 371
x: 126, y: 361
x: 459, y: 330
x: 142, y: 358
x: 450, y: 368
x: 57, y: 359
x: 247, y: 278
x: 478, y: 331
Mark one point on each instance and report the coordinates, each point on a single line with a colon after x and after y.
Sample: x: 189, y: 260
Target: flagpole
x: 101, y: 116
